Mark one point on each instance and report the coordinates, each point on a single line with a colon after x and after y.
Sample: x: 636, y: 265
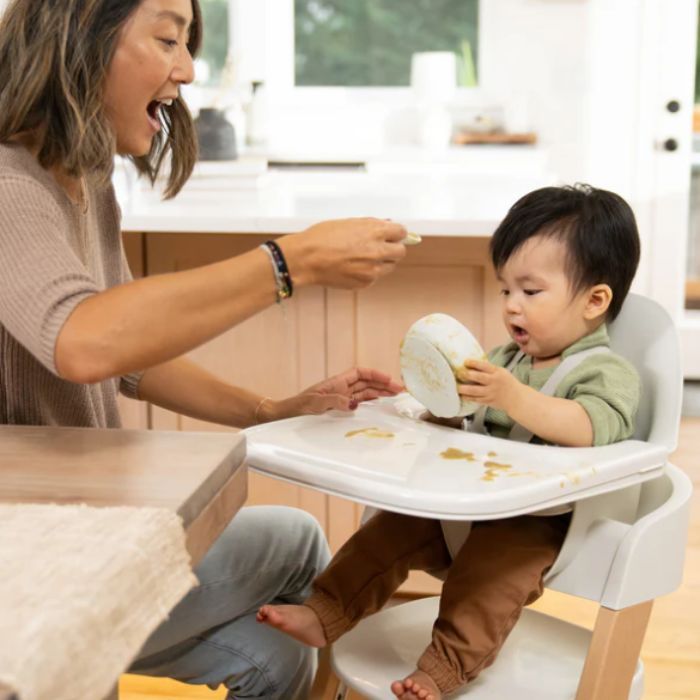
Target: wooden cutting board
x: 463, y: 138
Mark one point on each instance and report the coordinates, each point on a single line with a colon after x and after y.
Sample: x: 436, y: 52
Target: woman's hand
x: 342, y: 392
x: 346, y: 253
x: 490, y: 385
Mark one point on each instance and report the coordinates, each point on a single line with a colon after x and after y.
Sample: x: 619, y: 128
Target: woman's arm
x: 150, y: 321
x: 182, y: 386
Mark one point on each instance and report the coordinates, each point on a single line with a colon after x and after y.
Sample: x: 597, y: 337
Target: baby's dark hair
x: 597, y: 227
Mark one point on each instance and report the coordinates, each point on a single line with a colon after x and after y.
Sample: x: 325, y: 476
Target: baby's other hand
x: 488, y: 384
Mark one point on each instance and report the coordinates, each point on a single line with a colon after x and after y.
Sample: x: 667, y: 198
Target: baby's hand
x: 487, y: 384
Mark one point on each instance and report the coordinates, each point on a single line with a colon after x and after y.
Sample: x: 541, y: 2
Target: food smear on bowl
x: 432, y: 354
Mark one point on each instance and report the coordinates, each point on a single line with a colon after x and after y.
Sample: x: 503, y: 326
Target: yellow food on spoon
x: 412, y: 239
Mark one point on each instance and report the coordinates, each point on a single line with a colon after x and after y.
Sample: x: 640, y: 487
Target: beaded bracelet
x: 283, y: 280
x: 256, y: 417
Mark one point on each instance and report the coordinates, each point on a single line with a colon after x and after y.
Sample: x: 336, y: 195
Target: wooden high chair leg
x: 325, y: 683
x: 327, y: 686
x: 613, y: 653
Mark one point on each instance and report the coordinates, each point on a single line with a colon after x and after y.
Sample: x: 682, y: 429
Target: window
x: 367, y: 43
x: 335, y: 43
x: 329, y: 65
x: 212, y: 56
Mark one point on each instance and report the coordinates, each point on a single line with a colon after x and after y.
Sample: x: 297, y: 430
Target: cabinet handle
x: 670, y: 145
x: 673, y: 106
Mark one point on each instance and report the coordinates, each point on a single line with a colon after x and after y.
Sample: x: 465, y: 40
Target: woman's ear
x: 598, y: 301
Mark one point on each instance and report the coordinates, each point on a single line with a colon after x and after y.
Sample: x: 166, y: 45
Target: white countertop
x: 430, y: 199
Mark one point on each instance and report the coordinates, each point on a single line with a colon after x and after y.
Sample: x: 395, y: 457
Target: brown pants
x: 497, y: 572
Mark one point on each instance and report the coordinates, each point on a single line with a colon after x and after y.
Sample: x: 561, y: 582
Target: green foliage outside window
x: 370, y: 42
x: 215, y: 45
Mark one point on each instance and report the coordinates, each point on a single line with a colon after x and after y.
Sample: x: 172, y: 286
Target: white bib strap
x: 521, y: 434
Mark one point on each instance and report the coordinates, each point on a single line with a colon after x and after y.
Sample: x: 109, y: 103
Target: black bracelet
x: 281, y: 288
x: 282, y: 269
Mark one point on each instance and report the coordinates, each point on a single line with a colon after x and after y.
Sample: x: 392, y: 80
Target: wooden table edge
x: 211, y: 521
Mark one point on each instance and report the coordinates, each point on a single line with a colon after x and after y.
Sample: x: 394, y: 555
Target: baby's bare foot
x: 297, y: 621
x: 417, y: 686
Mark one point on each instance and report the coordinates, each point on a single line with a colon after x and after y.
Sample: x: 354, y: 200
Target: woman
x: 81, y: 80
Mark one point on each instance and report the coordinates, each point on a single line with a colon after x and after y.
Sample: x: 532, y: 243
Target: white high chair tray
x: 383, y: 455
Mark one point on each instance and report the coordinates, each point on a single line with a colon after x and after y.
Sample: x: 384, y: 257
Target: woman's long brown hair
x: 54, y: 59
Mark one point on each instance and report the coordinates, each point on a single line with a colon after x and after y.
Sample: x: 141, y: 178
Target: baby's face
x: 539, y: 311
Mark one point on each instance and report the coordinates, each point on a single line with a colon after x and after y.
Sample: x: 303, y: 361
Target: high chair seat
x: 625, y: 545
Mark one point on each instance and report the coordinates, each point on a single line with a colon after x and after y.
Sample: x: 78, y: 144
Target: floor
x: 671, y: 651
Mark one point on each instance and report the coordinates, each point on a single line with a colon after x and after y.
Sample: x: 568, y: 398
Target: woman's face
x: 150, y: 63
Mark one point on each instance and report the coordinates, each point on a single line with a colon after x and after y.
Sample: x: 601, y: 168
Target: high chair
x: 625, y: 545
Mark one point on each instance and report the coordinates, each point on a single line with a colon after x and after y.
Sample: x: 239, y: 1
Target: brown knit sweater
x: 52, y: 257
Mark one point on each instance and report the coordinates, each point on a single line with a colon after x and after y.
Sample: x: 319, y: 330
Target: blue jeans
x: 266, y: 554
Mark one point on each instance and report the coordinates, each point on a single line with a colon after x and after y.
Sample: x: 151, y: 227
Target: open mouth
x: 153, y: 112
x: 519, y: 334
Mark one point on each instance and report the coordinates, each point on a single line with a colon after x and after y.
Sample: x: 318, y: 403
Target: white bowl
x: 434, y: 348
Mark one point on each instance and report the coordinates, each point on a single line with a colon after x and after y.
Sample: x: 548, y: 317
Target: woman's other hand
x: 345, y: 253
x: 342, y: 392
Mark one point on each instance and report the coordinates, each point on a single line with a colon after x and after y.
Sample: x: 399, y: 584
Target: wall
x: 534, y: 53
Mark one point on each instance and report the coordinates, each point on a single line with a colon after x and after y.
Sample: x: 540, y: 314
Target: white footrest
x: 542, y: 658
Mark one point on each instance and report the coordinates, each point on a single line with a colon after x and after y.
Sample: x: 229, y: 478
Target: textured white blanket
x: 81, y: 589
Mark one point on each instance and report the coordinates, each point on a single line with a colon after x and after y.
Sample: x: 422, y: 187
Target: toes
x: 268, y: 614
x: 397, y: 688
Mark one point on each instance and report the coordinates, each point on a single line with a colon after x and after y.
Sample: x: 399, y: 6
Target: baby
x: 565, y: 258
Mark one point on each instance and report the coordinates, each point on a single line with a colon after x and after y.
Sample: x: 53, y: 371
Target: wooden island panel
x: 321, y: 332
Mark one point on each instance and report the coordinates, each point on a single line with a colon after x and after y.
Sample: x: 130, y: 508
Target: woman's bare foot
x: 297, y: 621
x: 418, y: 686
